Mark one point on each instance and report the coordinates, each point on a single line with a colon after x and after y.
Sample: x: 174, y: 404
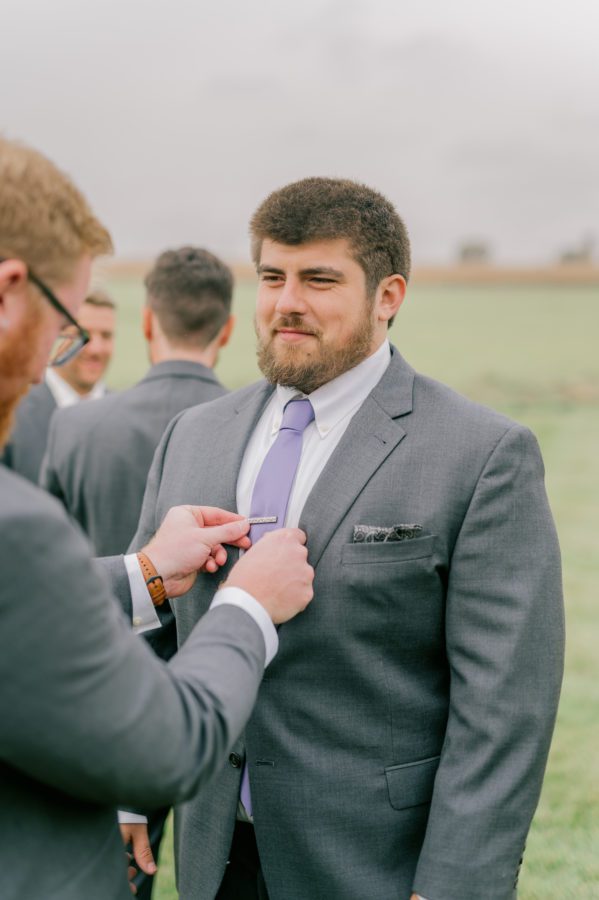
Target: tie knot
x: 297, y: 415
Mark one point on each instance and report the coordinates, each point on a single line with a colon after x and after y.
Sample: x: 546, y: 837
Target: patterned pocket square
x: 376, y: 534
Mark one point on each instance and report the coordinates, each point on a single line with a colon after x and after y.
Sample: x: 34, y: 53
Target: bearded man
x: 399, y: 741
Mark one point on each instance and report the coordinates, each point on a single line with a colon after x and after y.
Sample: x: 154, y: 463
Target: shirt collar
x: 340, y: 397
x: 64, y: 395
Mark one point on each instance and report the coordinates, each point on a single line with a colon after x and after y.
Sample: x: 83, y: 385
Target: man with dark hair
x: 398, y: 744
x: 79, y: 379
x: 98, y: 458
x: 90, y: 718
x: 177, y: 280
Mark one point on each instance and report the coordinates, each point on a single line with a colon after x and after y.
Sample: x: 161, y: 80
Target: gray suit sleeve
x: 504, y: 634
x: 85, y: 706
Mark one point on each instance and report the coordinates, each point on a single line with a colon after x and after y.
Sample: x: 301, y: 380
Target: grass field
x: 532, y: 353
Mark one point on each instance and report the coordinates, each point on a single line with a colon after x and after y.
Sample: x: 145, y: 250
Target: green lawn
x: 531, y: 352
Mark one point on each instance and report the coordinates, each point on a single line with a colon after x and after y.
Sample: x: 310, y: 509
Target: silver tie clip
x: 263, y: 520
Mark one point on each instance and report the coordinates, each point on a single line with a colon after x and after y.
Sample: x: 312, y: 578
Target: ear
x: 13, y: 284
x: 224, y: 335
x: 147, y: 323
x: 390, y: 295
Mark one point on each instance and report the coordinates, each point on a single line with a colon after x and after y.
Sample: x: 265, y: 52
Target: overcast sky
x: 478, y: 119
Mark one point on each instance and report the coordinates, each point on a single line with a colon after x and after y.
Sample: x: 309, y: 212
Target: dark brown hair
x: 316, y: 209
x: 190, y: 290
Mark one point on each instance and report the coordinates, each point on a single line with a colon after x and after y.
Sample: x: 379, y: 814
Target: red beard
x: 14, y: 363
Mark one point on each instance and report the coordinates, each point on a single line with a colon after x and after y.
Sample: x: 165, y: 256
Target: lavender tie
x: 271, y: 495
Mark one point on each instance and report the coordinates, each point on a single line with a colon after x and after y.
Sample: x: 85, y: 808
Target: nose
x: 96, y: 347
x: 290, y: 299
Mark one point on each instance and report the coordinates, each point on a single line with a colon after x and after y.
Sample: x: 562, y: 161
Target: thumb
x: 143, y: 852
x: 225, y: 534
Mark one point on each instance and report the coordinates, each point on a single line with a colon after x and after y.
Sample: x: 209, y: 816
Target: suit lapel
x: 229, y: 443
x: 371, y: 436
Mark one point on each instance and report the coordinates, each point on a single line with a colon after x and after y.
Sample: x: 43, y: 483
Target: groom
x: 400, y: 737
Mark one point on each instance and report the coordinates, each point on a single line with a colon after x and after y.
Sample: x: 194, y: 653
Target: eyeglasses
x: 72, y: 337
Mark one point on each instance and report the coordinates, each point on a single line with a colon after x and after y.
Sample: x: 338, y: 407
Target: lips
x: 292, y: 335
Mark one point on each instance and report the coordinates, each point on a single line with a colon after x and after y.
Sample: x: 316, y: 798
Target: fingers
x: 244, y: 543
x: 131, y: 870
x: 225, y: 534
x: 298, y: 534
x: 131, y: 873
x: 142, y: 851
x: 212, y: 515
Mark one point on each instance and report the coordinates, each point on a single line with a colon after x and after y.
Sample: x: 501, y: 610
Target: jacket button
x: 235, y: 760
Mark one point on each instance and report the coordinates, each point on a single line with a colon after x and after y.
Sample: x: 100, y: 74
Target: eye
x: 322, y: 280
x: 271, y: 278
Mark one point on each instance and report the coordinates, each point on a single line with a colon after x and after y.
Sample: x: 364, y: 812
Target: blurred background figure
x: 81, y: 378
x: 98, y: 458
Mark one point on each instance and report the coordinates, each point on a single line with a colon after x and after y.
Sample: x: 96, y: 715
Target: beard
x: 305, y: 371
x: 15, y: 362
x: 7, y: 416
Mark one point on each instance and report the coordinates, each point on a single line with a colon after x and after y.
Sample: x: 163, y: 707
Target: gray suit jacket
x: 98, y: 455
x: 25, y: 449
x: 400, y: 736
x: 90, y: 719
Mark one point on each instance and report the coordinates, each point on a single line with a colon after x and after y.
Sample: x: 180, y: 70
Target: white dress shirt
x: 64, y: 395
x: 334, y: 404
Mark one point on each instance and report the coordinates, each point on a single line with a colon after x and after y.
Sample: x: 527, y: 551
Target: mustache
x: 296, y: 323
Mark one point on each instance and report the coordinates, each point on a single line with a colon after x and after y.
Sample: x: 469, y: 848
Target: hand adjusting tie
x: 153, y: 580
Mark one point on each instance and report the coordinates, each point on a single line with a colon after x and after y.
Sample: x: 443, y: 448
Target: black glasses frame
x: 83, y: 336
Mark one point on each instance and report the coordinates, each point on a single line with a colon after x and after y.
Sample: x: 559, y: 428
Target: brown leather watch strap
x: 153, y: 580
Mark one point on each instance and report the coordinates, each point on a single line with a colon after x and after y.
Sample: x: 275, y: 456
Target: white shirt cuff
x: 144, y: 616
x: 129, y: 818
x: 238, y: 597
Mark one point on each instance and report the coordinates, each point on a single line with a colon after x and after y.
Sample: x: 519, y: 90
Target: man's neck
x: 206, y: 357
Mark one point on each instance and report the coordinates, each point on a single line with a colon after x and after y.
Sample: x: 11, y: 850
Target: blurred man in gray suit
x: 399, y: 741
x: 79, y: 379
x: 98, y: 457
x: 90, y: 718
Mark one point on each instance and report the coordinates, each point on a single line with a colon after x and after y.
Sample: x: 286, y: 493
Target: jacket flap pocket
x: 389, y: 551
x: 412, y: 783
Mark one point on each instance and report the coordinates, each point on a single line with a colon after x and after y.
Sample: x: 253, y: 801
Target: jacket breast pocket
x: 411, y: 784
x: 388, y: 551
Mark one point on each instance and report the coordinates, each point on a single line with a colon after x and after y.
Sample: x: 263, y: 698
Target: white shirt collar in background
x: 65, y: 395
x: 334, y: 405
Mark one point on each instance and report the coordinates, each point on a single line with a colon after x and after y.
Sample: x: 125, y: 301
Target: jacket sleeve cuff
x: 238, y: 597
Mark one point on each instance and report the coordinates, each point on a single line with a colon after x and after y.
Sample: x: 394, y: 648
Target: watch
x: 153, y: 580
